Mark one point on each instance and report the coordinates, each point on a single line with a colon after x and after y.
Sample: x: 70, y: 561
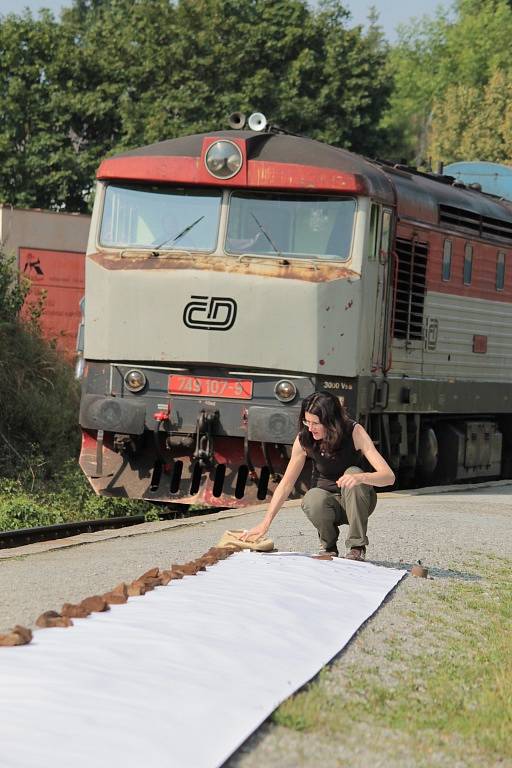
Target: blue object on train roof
x: 494, y: 178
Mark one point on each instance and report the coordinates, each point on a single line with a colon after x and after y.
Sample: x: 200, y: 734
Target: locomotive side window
x: 447, y: 260
x: 385, y: 236
x: 160, y: 217
x: 500, y: 271
x: 290, y: 225
x: 374, y: 232
x: 468, y: 264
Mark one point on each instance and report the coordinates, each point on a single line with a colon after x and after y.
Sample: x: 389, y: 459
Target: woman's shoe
x: 356, y: 553
x: 324, y: 551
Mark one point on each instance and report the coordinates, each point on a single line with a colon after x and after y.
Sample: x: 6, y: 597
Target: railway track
x: 24, y: 536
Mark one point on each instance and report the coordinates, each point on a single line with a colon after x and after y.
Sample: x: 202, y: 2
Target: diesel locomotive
x: 232, y: 273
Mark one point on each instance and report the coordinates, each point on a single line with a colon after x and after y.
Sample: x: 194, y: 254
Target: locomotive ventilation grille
x: 189, y: 486
x: 480, y: 226
x: 411, y: 270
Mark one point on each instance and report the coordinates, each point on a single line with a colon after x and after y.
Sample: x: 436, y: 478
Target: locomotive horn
x: 257, y: 121
x: 236, y: 120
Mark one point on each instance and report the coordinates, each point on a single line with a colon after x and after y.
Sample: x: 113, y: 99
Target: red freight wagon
x: 58, y: 276
x: 50, y: 250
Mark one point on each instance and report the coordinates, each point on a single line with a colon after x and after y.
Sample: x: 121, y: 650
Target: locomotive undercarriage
x: 184, y: 448
x: 438, y: 431
x: 426, y: 449
x: 221, y: 471
x: 232, y: 473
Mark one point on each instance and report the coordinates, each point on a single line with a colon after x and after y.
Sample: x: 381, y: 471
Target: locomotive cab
x: 223, y: 285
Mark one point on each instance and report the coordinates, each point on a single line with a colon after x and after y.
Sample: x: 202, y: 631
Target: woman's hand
x: 255, y: 533
x: 350, y: 480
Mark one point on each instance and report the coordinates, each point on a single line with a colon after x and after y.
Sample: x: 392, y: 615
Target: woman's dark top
x: 328, y: 468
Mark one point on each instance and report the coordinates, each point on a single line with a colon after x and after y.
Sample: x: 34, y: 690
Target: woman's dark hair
x: 332, y: 416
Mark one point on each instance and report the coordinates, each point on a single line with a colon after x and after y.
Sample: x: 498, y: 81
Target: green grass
x: 66, y: 498
x: 454, y: 695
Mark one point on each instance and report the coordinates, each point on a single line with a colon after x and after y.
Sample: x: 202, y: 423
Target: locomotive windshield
x: 172, y: 218
x: 301, y: 226
x: 156, y: 217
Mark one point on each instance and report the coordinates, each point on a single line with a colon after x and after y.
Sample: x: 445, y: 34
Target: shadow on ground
x: 433, y: 571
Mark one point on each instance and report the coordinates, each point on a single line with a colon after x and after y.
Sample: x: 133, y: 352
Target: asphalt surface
x: 442, y: 530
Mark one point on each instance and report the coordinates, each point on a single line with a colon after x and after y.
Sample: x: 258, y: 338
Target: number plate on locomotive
x: 203, y: 386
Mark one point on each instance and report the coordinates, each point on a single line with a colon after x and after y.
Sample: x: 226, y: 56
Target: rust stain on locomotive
x: 309, y: 272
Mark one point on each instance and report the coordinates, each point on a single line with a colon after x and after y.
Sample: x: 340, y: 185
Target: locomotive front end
x: 222, y: 287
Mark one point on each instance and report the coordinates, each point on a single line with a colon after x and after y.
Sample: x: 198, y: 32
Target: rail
x: 23, y: 536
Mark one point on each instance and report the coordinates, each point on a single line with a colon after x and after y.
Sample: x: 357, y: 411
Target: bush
x: 39, y: 396
x: 23, y: 512
x: 40, y: 481
x: 39, y: 401
x: 73, y: 497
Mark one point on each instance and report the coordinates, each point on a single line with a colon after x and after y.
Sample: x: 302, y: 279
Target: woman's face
x: 312, y: 422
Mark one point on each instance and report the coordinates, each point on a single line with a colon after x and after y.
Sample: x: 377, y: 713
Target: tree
x: 475, y: 124
x: 27, y: 137
x: 114, y: 74
x: 443, y: 70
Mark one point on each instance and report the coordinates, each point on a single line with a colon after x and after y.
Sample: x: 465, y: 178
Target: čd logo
x: 215, y: 313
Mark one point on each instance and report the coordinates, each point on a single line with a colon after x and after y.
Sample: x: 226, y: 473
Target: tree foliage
x: 475, y: 123
x: 13, y: 291
x: 452, y: 84
x: 112, y: 74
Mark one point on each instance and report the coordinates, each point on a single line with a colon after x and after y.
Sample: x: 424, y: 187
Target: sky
x: 391, y: 12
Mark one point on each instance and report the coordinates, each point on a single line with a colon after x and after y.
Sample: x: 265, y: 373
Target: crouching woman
x: 341, y: 493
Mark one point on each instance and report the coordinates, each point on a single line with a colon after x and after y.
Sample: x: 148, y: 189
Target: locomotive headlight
x: 223, y: 159
x: 135, y: 380
x: 285, y: 391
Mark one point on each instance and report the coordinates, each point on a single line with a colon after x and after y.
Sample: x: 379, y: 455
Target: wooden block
x: 113, y: 598
x: 74, y: 611
x: 136, y: 588
x: 53, y: 619
x: 121, y: 589
x: 151, y: 574
x: 95, y: 604
x: 17, y: 636
x: 24, y: 632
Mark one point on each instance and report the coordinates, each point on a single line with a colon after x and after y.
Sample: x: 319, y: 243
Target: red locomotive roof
x: 281, y: 161
x: 422, y: 198
x: 273, y: 161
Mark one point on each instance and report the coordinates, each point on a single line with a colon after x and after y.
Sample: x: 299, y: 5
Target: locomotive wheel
x: 428, y: 453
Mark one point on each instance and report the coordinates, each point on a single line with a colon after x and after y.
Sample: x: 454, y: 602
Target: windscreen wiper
x: 260, y: 225
x: 180, y: 234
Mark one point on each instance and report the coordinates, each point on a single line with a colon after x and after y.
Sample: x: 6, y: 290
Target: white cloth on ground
x: 182, y: 676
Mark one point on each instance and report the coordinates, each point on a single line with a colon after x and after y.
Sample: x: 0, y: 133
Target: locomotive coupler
x: 203, y: 453
x: 124, y: 444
